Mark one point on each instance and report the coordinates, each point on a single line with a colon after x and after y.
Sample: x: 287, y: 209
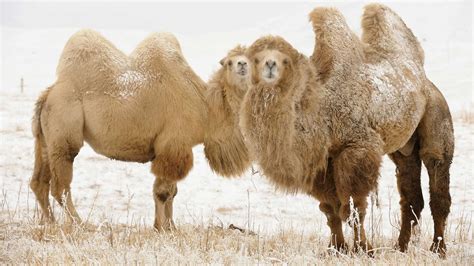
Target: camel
x: 321, y: 125
x: 149, y: 106
x: 224, y: 146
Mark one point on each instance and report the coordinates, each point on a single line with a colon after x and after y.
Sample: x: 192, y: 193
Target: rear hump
x: 384, y: 31
x: 88, y: 53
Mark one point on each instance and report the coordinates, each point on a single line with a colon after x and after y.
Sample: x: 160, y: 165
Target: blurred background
x: 34, y: 33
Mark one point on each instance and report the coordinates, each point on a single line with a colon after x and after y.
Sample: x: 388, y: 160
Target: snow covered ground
x: 121, y: 192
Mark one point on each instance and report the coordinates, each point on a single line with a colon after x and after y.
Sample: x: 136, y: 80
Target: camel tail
x: 38, y: 134
x: 337, y: 48
x: 384, y: 31
x: 36, y: 121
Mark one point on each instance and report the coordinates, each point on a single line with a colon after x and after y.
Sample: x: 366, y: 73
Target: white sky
x: 34, y: 33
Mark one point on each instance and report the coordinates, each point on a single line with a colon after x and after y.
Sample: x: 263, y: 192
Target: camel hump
x: 337, y: 48
x: 158, y: 48
x: 384, y: 31
x: 88, y: 52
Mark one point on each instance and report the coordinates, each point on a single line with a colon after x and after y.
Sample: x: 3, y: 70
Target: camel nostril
x: 242, y: 63
x: 270, y: 63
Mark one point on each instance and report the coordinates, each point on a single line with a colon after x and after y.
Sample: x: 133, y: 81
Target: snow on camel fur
x: 379, y: 85
x: 297, y: 138
x: 224, y: 146
x: 364, y: 103
x: 149, y: 106
x: 278, y: 126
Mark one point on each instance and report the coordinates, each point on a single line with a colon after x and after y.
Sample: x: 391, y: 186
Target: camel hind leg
x: 61, y: 169
x: 436, y: 151
x: 40, y: 182
x: 409, y: 186
x: 62, y: 123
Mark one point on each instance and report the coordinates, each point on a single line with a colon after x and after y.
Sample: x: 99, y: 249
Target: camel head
x: 274, y: 61
x: 271, y: 65
x: 237, y: 69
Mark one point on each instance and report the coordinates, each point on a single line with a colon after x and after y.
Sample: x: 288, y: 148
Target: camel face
x: 237, y: 71
x: 271, y: 66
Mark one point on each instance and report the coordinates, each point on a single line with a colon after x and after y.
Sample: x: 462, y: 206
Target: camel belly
x: 395, y: 116
x: 120, y: 135
x: 130, y: 149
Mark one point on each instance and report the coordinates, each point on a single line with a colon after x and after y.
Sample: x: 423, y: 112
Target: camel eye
x: 256, y: 60
x: 285, y: 61
x: 229, y: 63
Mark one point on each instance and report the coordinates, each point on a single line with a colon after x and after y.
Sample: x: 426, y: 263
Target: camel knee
x: 35, y: 185
x: 412, y: 209
x: 163, y: 191
x: 173, y: 165
x: 166, y: 195
x: 440, y: 197
x: 440, y: 205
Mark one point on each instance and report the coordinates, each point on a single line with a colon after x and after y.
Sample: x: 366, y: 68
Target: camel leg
x: 436, y: 152
x: 324, y: 190
x: 356, y: 170
x: 61, y: 169
x: 411, y: 196
x: 335, y: 224
x: 440, y: 199
x: 163, y: 194
x: 62, y: 124
x: 172, y: 163
x: 40, y: 183
x: 356, y: 220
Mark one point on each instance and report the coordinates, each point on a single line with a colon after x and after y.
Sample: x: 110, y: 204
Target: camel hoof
x: 166, y: 227
x: 46, y: 221
x: 439, y: 247
x: 403, y: 241
x: 336, y: 249
x: 365, y: 248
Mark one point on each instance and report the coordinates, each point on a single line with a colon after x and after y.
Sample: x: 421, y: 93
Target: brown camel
x: 149, y: 106
x: 321, y: 126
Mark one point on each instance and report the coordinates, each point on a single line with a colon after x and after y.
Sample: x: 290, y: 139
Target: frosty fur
x: 223, y: 143
x: 149, y: 106
x: 324, y: 125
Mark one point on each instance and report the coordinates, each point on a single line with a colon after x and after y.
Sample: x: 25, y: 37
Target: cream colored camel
x: 149, y: 106
x: 321, y: 126
x: 223, y: 143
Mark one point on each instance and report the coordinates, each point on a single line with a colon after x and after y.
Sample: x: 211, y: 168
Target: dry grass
x: 23, y: 240
x: 466, y: 115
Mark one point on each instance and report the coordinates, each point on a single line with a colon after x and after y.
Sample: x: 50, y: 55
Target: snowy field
x: 118, y: 194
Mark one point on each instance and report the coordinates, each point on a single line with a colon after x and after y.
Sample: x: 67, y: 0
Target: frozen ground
x: 120, y: 192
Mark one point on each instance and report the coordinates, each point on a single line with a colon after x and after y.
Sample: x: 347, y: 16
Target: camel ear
x: 222, y: 61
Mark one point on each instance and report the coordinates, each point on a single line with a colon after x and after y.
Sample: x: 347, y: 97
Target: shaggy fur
x: 224, y: 145
x: 149, y: 106
x: 326, y: 137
